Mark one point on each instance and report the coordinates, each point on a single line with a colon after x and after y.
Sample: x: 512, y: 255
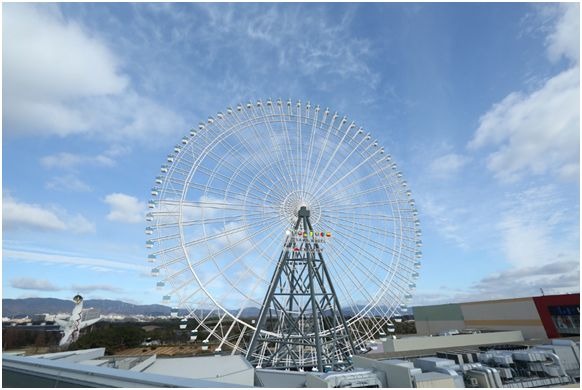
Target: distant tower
x: 301, y: 325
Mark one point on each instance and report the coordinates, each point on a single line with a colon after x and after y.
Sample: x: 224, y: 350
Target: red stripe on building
x: 544, y: 302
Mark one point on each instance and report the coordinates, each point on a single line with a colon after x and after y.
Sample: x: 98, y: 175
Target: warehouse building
x: 540, y: 317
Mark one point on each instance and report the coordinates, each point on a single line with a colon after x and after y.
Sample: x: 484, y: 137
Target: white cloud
x: 558, y: 277
x: 65, y: 160
x: 18, y: 215
x: 537, y: 228
x: 539, y: 132
x: 88, y: 288
x: 445, y: 220
x: 33, y: 284
x: 274, y: 30
x: 535, y: 133
x: 95, y: 264
x: 125, y: 208
x: 60, y: 79
x: 447, y: 165
x: 564, y: 40
x: 68, y: 183
x: 48, y: 61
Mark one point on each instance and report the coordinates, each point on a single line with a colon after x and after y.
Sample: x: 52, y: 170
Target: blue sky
x: 478, y: 104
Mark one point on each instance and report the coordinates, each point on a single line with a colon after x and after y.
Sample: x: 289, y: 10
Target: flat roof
x: 217, y: 368
x: 464, y: 349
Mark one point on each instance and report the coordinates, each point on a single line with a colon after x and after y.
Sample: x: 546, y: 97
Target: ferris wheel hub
x: 297, y: 200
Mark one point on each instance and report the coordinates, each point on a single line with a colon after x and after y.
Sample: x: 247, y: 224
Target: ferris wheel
x: 229, y: 195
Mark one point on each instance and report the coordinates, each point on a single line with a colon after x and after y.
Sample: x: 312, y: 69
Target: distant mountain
x: 31, y: 306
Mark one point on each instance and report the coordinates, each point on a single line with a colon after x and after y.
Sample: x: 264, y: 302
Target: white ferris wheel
x: 229, y: 194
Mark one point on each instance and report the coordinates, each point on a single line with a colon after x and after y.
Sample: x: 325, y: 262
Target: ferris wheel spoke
x: 251, y: 153
x: 353, y: 234
x: 348, y: 290
x: 349, y: 197
x: 330, y: 128
x: 387, y: 267
x: 310, y: 145
x: 370, y: 216
x: 348, y: 174
x: 331, y: 159
x: 283, y: 168
x: 371, y: 204
x: 374, y: 174
x: 339, y: 165
x: 220, y: 205
x: 291, y: 160
x: 239, y: 218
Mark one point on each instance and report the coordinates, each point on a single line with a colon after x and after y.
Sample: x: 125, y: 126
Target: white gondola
x: 419, y: 243
x: 159, y: 179
x: 166, y: 299
x: 177, y: 149
x: 418, y: 254
x: 149, y: 217
x: 155, y: 272
x: 415, y: 274
x: 183, y: 326
x: 151, y: 258
x: 218, y: 350
x: 417, y: 264
x: 149, y: 244
x: 174, y: 312
x: 185, y: 140
x: 205, y: 345
x: 151, y: 204
x: 149, y: 230
x: 164, y: 169
x: 407, y: 296
x: 398, y: 319
x: 154, y: 192
x: 170, y: 158
x: 391, y: 328
x: 411, y: 285
x: 160, y: 285
x: 192, y: 134
x: 418, y: 232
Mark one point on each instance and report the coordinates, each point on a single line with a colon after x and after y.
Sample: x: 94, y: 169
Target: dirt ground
x: 166, y: 350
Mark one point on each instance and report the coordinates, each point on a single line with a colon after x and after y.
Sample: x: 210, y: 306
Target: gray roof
x: 227, y: 369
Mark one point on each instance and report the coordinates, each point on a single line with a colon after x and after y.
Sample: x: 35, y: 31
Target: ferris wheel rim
x: 356, y: 316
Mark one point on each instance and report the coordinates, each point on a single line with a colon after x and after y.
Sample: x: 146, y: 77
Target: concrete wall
x: 507, y: 314
x: 425, y: 328
x: 419, y: 343
x: 438, y: 318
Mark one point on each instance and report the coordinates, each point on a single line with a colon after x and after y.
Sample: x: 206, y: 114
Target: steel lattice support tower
x: 301, y: 325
